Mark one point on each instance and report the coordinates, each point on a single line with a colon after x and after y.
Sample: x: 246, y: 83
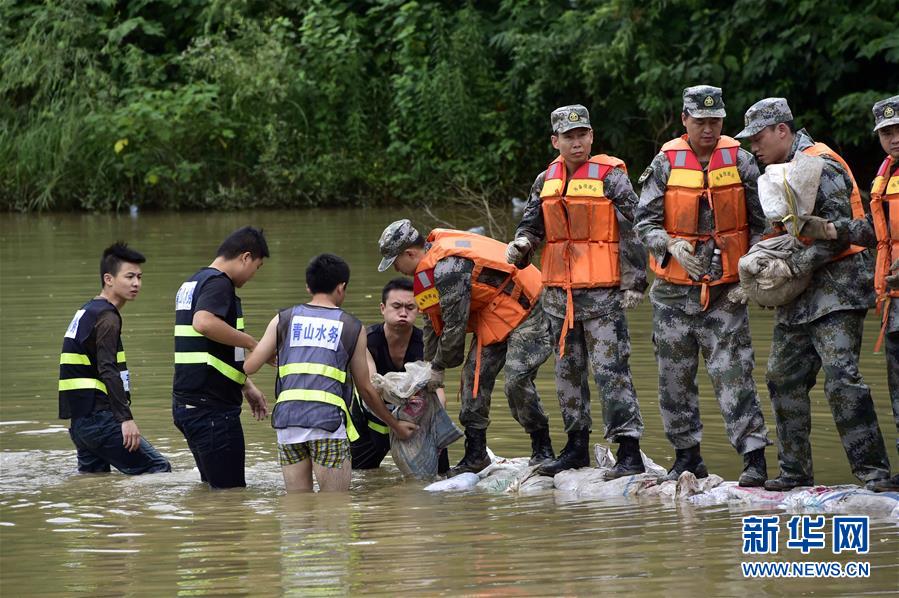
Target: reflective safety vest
x: 722, y: 189
x: 79, y: 377
x: 581, y: 226
x: 858, y: 212
x: 885, y: 214
x: 202, y: 366
x: 314, y: 388
x: 496, y: 308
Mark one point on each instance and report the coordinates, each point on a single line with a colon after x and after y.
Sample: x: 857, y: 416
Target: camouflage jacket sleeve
x: 430, y: 340
x: 831, y: 203
x: 531, y: 225
x: 858, y: 232
x: 452, y: 277
x: 618, y: 188
x: 650, y: 214
x: 749, y: 174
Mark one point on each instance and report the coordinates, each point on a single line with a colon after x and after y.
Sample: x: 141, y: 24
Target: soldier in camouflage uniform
x: 599, y: 333
x: 522, y: 353
x: 886, y: 125
x: 861, y: 232
x: 823, y: 325
x: 691, y: 318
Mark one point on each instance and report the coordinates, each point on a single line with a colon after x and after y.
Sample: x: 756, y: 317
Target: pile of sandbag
x: 515, y: 476
x: 417, y: 455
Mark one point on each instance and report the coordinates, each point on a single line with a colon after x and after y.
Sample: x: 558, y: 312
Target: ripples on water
x: 166, y: 534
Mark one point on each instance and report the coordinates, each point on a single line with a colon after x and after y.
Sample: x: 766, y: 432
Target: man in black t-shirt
x: 94, y: 381
x: 209, y: 384
x: 391, y: 344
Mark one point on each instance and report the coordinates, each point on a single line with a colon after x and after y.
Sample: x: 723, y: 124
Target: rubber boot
x: 628, y: 460
x: 884, y: 485
x: 687, y: 459
x: 475, y: 458
x: 541, y: 447
x: 782, y: 484
x: 755, y: 469
x: 575, y: 455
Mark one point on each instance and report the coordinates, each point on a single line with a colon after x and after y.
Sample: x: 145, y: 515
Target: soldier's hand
x: 631, y: 299
x: 682, y: 250
x: 813, y: 227
x: 774, y: 274
x: 436, y: 380
x: 737, y: 295
x: 517, y: 250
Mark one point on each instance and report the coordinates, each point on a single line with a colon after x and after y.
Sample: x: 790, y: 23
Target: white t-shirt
x: 296, y: 434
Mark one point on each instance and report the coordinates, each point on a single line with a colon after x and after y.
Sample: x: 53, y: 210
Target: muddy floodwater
x: 167, y: 535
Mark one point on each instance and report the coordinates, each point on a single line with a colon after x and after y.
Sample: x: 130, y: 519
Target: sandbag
x: 790, y: 188
x: 417, y: 455
x: 753, y: 278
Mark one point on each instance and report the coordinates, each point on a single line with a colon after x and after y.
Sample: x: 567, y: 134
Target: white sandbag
x: 790, y: 188
x: 417, y: 455
x: 754, y: 276
x: 848, y: 499
x: 463, y: 481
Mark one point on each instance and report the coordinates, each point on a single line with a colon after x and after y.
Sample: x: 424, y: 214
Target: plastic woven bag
x: 417, y: 455
x: 763, y: 290
x: 790, y: 188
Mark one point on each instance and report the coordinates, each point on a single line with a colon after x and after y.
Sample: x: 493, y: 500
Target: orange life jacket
x: 581, y: 226
x: 722, y: 189
x: 855, y: 197
x: 885, y: 200
x: 495, y: 311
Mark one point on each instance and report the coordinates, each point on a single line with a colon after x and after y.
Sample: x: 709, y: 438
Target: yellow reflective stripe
x: 199, y: 357
x: 312, y: 368
x: 120, y: 357
x: 683, y: 177
x: 186, y: 330
x: 301, y: 394
x: 74, y: 359
x: 81, y: 383
x: 240, y: 323
x: 378, y: 427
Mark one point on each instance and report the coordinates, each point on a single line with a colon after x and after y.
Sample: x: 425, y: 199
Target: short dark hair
x: 325, y: 272
x: 114, y: 255
x: 243, y: 240
x: 397, y: 284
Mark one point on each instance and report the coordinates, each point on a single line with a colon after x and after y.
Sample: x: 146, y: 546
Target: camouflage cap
x: 764, y: 113
x: 886, y: 113
x: 396, y: 237
x: 569, y: 117
x: 704, y: 101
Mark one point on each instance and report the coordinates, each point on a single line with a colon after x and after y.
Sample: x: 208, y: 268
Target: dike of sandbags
x: 515, y: 476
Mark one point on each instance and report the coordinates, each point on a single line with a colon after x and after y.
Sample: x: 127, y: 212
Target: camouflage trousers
x: 522, y: 354
x: 605, y: 345
x: 797, y: 354
x: 721, y: 334
x: 891, y: 348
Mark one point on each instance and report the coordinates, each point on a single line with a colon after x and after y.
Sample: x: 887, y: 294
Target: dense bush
x: 219, y: 104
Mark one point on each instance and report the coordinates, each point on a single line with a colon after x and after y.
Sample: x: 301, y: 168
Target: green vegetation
x: 219, y: 104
